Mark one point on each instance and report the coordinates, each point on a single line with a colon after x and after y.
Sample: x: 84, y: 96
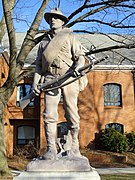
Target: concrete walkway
x: 115, y: 170
x: 103, y: 171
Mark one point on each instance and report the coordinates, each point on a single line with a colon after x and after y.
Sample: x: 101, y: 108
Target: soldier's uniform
x: 56, y: 56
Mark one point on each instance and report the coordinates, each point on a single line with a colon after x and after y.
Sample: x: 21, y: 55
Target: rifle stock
x: 59, y: 80
x: 27, y: 99
x: 55, y: 83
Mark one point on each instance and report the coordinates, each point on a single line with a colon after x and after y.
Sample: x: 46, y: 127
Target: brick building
x: 107, y: 101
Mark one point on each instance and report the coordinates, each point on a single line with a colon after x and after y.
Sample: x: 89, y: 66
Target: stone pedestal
x: 64, y: 168
x: 63, y: 164
x: 89, y: 175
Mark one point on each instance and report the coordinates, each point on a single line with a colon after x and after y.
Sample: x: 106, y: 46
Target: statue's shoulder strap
x: 55, y: 45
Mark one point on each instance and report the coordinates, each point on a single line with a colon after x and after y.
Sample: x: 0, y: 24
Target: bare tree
x: 2, y: 23
x: 15, y: 64
x: 93, y: 13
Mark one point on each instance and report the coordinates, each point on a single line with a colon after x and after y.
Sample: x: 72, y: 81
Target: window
x: 116, y: 126
x: 22, y: 91
x: 112, y: 95
x: 25, y: 135
x: 3, y: 75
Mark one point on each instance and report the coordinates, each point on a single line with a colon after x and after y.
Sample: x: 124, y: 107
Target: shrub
x: 26, y: 152
x: 112, y: 140
x: 131, y: 141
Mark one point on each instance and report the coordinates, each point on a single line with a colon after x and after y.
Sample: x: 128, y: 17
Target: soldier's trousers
x: 70, y: 98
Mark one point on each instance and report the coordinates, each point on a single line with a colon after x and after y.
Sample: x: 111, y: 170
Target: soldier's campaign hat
x: 55, y: 12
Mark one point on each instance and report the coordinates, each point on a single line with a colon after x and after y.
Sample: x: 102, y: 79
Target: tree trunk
x: 5, y: 94
x: 4, y: 171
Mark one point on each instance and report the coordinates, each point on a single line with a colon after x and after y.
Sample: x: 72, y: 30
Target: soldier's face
x: 55, y: 22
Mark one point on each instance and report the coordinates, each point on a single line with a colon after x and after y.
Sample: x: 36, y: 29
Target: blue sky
x: 26, y: 10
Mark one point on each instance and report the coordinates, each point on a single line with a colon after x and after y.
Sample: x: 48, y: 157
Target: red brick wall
x: 93, y: 115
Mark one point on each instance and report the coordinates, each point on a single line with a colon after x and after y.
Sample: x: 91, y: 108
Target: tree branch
x: 7, y: 8
x: 3, y: 23
x: 2, y: 28
x: 103, y: 5
x: 126, y: 46
x: 86, y: 6
x: 29, y: 41
x: 109, y: 24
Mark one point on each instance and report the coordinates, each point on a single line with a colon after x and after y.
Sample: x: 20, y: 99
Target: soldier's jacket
x: 59, y: 52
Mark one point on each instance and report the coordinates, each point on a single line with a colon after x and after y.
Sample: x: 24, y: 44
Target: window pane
x: 116, y: 126
x: 21, y: 141
x: 26, y: 135
x: 112, y: 95
x: 26, y: 132
x: 22, y: 91
x: 25, y: 141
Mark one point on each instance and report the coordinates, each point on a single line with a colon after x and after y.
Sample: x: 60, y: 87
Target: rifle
x: 60, y: 81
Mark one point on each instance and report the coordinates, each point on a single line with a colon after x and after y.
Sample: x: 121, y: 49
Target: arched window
x: 22, y: 91
x: 112, y: 95
x: 116, y: 126
x: 25, y: 135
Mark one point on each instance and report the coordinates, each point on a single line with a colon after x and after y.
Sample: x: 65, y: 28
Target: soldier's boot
x: 50, y: 132
x: 75, y: 142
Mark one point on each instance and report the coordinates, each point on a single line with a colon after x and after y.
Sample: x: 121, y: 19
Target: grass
x: 6, y: 178
x: 118, y: 177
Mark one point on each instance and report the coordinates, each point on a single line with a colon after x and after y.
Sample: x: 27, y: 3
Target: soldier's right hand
x: 36, y: 90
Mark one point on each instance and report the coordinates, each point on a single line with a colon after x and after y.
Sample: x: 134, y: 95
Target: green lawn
x: 118, y: 177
